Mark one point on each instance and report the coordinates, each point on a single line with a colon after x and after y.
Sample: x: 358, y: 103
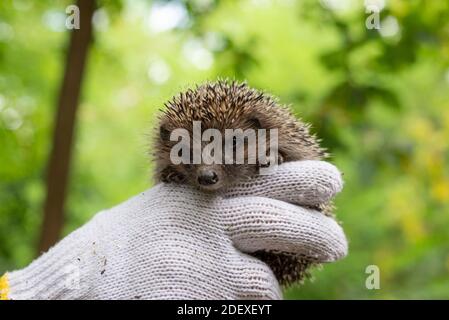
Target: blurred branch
x: 59, y: 161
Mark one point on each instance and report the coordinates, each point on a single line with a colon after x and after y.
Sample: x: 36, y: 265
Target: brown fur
x: 232, y: 105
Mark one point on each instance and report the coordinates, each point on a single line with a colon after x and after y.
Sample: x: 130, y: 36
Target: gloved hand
x: 174, y: 242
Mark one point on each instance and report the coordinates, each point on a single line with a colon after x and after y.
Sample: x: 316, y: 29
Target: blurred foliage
x: 379, y: 99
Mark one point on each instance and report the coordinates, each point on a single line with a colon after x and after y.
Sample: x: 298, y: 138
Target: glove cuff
x: 57, y: 273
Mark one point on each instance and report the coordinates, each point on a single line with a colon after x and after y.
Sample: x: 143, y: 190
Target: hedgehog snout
x: 209, y: 177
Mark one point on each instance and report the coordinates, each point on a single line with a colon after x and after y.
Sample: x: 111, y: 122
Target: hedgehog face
x: 214, y: 168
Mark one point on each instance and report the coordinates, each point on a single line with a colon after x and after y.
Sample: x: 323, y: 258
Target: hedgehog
x: 225, y: 105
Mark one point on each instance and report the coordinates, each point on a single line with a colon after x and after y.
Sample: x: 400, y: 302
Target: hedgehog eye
x: 255, y: 123
x: 164, y: 133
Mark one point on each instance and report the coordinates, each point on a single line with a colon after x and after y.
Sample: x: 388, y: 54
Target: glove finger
x: 256, y: 223
x: 307, y: 183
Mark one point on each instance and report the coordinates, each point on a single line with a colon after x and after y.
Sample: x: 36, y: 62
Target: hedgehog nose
x: 207, y: 178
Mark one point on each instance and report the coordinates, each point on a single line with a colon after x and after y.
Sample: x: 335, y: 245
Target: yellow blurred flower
x: 406, y: 206
x: 440, y: 190
x: 413, y: 227
x: 384, y: 259
x: 435, y: 167
x: 431, y: 161
x: 399, y: 8
x: 420, y: 129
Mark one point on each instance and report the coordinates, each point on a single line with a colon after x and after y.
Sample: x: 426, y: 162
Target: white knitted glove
x: 174, y: 242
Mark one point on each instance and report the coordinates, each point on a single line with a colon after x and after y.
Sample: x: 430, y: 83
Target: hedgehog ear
x: 255, y: 123
x: 164, y: 133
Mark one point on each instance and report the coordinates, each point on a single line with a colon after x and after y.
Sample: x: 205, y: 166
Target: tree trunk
x: 59, y: 161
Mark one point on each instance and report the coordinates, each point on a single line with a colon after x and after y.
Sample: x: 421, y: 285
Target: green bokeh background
x: 379, y: 99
